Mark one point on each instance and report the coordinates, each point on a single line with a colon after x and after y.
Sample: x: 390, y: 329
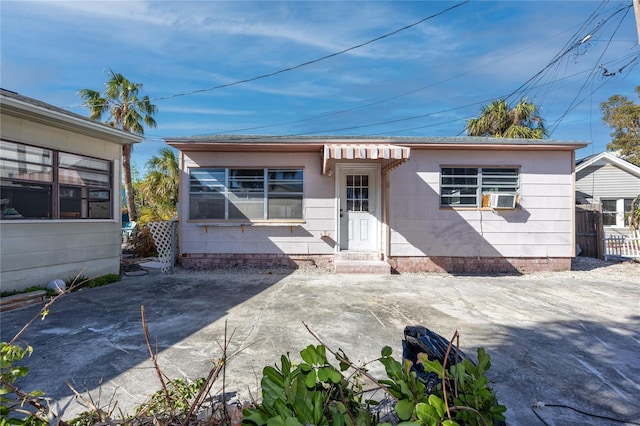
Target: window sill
x: 25, y: 220
x: 243, y: 224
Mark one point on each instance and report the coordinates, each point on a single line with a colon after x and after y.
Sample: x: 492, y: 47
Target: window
x: 470, y: 186
x: 609, y: 212
x: 245, y: 194
x: 615, y: 212
x: 357, y: 193
x: 39, y: 183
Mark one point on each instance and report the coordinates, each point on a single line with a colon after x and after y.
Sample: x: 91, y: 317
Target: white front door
x: 358, y: 208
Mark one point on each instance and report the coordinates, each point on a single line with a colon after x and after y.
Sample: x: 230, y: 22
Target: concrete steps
x: 360, y: 263
x: 21, y: 300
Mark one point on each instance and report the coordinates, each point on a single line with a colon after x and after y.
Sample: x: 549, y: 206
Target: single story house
x: 613, y: 183
x: 60, y: 185
x: 365, y: 204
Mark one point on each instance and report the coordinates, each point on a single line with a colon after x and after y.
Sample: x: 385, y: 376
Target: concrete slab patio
x: 569, y: 338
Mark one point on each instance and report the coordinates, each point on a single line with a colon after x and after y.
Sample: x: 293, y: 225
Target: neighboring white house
x: 410, y: 203
x: 611, y: 181
x: 59, y: 193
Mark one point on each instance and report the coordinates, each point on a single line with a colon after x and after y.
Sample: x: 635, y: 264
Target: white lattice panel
x: 162, y: 236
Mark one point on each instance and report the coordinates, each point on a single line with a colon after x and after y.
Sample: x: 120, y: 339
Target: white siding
x: 35, y: 252
x: 542, y: 227
x: 197, y: 236
x: 607, y: 182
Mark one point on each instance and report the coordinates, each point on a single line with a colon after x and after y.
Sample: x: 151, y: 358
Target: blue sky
x: 426, y: 80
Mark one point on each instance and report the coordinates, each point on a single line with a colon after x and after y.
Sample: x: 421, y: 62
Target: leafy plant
x: 50, y: 293
x: 313, y: 392
x: 80, y: 281
x: 465, y: 385
x: 414, y: 405
x: 176, y: 401
x: 11, y: 401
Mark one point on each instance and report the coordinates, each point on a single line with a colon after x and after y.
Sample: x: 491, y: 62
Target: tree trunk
x: 128, y: 185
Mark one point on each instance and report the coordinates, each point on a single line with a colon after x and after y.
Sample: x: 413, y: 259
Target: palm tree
x: 125, y: 110
x: 160, y: 185
x: 499, y: 120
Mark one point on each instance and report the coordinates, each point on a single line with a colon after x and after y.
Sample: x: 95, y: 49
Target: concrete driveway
x: 568, y: 338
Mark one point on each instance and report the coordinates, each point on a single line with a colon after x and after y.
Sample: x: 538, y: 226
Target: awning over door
x: 391, y: 155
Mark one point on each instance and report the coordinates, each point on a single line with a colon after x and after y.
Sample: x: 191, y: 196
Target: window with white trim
x: 252, y: 194
x: 615, y: 212
x: 41, y: 183
x: 466, y: 186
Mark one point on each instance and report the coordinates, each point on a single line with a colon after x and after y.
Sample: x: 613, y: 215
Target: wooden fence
x: 589, y: 231
x: 622, y: 246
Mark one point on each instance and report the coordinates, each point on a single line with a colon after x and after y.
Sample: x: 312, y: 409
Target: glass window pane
x: 609, y: 219
x: 250, y: 210
x: 99, y: 209
x: 25, y: 171
x: 285, y: 187
x: 25, y: 154
x: 285, y: 207
x: 70, y: 202
x: 73, y: 161
x: 248, y: 180
x: 25, y: 201
x: 99, y: 194
x: 206, y: 206
x: 285, y: 174
x: 459, y: 171
x: 207, y: 180
x: 82, y: 177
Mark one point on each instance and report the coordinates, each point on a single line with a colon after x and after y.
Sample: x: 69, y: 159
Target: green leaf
x: 427, y: 414
x: 334, y: 376
x: 323, y: 374
x: 386, y: 351
x: 392, y: 367
x: 318, y: 406
x: 310, y: 380
x: 254, y: 417
x: 404, y: 409
x: 437, y: 403
x: 310, y: 355
x: 273, y: 375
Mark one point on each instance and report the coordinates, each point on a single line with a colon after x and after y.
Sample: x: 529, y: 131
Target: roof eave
x: 26, y: 110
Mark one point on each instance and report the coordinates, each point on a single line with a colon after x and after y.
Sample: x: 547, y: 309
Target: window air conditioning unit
x: 502, y: 200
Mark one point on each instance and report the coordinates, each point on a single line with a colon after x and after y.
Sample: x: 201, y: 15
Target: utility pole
x: 636, y: 9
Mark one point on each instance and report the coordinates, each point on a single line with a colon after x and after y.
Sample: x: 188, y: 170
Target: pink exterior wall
x: 313, y: 236
x: 422, y: 236
x: 541, y: 227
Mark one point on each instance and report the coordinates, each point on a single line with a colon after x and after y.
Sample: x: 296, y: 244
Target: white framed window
x: 471, y: 186
x: 252, y: 194
x: 615, y: 212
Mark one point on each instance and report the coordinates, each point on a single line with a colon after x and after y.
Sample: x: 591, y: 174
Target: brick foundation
x: 480, y: 266
x: 224, y: 260
x: 461, y: 265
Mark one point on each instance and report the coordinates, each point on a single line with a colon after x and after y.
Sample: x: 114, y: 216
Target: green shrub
x: 315, y: 392
x: 80, y: 281
x: 50, y: 293
x: 311, y: 393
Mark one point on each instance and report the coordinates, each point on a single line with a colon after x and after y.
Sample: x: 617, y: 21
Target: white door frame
x: 376, y: 169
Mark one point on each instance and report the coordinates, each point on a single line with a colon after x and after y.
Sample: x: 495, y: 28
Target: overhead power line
x: 304, y: 64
